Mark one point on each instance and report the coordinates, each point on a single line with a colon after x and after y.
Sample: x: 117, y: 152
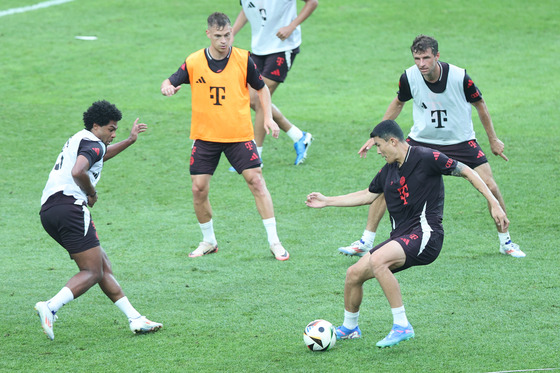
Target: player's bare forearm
x: 496, y: 145
x: 359, y: 198
x: 498, y: 214
x: 269, y: 124
x: 285, y: 32
x: 394, y: 109
x: 472, y: 176
x: 81, y: 178
x: 114, y: 149
x: 240, y: 21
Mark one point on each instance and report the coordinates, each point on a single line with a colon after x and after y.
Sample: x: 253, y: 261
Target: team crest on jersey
x: 403, y: 190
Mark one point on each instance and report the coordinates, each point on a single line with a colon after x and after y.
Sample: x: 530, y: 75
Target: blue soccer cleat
x: 397, y: 334
x: 344, y: 333
x: 301, y: 147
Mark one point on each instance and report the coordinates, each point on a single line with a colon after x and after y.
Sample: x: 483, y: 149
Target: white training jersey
x: 266, y: 17
x: 440, y: 118
x: 60, y: 177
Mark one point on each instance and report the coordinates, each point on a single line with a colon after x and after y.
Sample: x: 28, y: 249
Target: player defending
x: 275, y: 42
x: 221, y: 123
x: 66, y: 218
x: 412, y: 184
x: 442, y: 96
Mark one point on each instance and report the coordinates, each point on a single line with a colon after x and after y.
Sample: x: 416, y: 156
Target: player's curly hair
x: 422, y: 43
x: 387, y: 129
x: 220, y: 20
x: 101, y: 112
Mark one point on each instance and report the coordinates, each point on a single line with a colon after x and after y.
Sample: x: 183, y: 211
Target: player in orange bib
x: 219, y: 77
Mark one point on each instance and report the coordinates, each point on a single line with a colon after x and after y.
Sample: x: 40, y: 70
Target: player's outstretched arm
x: 115, y: 149
x: 498, y: 214
x: 359, y: 198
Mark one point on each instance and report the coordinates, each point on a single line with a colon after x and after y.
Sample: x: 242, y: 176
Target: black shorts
x: 205, y: 156
x: 417, y: 253
x: 275, y: 66
x: 70, y: 225
x: 468, y: 152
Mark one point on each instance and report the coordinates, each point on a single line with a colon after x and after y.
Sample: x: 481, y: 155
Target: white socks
x: 125, y: 306
x: 64, y: 296
x: 294, y: 133
x: 208, y: 232
x: 368, y: 237
x: 350, y: 319
x: 399, y: 316
x: 504, y: 238
x: 270, y: 226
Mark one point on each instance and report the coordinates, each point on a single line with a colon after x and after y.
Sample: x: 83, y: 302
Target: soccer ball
x: 319, y: 335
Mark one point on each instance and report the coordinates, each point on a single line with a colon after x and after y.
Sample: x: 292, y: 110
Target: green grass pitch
x: 240, y: 310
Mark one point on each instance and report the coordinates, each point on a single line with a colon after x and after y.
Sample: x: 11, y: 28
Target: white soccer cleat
x: 204, y: 248
x: 279, y: 252
x: 512, y: 249
x: 47, y: 318
x: 142, y: 325
x: 358, y: 248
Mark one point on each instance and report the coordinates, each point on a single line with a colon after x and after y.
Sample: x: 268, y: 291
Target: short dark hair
x: 101, y: 112
x: 220, y: 20
x: 387, y: 129
x: 422, y: 43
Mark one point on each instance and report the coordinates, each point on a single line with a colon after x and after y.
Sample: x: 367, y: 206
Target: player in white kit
x: 71, y: 187
x: 275, y: 42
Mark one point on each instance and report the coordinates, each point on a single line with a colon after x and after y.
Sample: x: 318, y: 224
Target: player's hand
x: 500, y: 217
x: 170, y: 90
x: 284, y: 32
x: 364, y: 149
x: 497, y: 147
x: 136, y: 129
x: 271, y: 126
x: 316, y: 200
x: 92, y: 199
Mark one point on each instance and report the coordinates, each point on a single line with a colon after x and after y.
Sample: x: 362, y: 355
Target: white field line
x: 44, y: 4
x: 527, y: 370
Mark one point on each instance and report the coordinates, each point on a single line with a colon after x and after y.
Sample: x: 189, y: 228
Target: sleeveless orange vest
x: 220, y: 101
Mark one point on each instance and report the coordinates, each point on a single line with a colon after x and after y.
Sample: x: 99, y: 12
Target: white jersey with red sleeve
x: 60, y: 178
x: 266, y: 18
